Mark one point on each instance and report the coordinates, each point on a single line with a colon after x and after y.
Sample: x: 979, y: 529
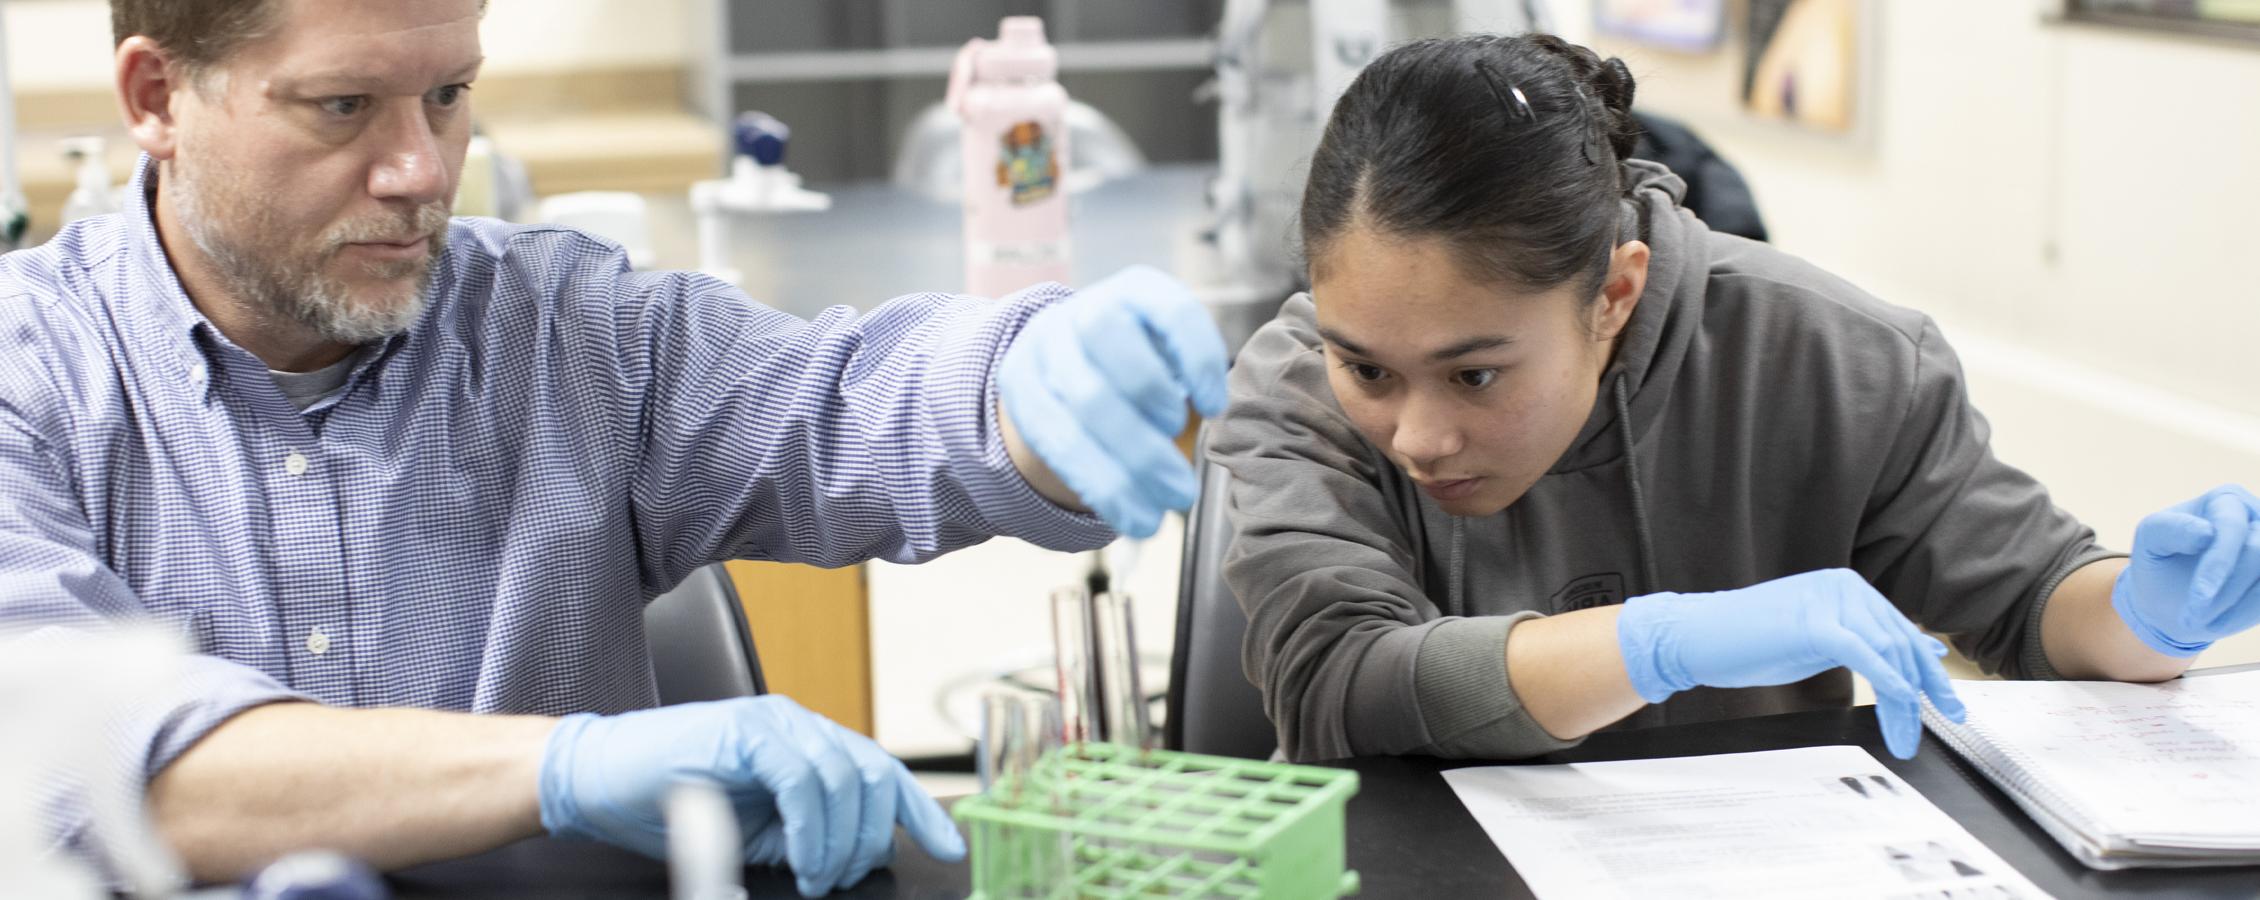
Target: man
x: 365, y: 456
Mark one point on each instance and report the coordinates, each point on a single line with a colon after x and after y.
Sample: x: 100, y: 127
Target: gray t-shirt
x: 308, y: 388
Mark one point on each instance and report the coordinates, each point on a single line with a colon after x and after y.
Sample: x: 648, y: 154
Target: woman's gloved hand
x: 2195, y: 573
x: 807, y: 792
x: 1787, y: 630
x: 1097, y: 385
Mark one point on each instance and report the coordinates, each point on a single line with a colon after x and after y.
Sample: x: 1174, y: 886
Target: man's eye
x: 450, y: 95
x: 345, y: 107
x: 1477, y: 378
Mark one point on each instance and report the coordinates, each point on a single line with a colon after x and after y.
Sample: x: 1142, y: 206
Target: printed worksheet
x: 1810, y: 822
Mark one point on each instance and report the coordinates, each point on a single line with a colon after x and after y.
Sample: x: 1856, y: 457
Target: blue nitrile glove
x: 1097, y: 384
x: 2194, y: 576
x: 1786, y: 630
x: 807, y: 792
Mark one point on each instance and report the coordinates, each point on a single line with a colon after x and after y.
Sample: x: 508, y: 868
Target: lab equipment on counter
x: 316, y: 875
x: 493, y: 183
x: 617, y: 216
x: 15, y: 210
x: 758, y: 183
x: 1012, y: 146
x: 1279, y: 68
x: 1097, y: 812
x: 93, y: 196
x: 705, y: 855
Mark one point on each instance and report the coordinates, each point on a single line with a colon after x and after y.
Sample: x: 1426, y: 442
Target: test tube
x: 1077, y: 676
x: 1018, y: 727
x: 1121, y: 693
x: 705, y: 853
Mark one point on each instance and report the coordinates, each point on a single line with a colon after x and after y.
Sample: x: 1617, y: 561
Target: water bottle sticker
x: 1026, y: 165
x: 1020, y: 253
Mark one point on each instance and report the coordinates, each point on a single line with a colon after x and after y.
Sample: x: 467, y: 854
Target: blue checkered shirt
x: 475, y: 520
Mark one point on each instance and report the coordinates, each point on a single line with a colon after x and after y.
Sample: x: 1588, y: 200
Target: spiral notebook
x: 2124, y: 775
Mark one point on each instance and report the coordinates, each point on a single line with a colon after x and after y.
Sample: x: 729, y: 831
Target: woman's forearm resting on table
x: 1569, y: 673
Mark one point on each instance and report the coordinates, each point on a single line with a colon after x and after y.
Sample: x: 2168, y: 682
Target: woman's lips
x: 1454, y: 489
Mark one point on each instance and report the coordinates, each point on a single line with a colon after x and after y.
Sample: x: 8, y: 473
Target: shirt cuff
x: 201, y: 693
x: 1470, y: 708
x: 2032, y: 658
x: 1001, y: 495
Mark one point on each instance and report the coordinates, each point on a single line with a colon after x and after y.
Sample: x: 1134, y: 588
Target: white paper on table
x: 1810, y: 822
x: 2177, y: 758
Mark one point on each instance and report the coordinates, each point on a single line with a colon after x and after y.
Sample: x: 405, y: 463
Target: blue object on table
x: 761, y: 136
x: 317, y: 875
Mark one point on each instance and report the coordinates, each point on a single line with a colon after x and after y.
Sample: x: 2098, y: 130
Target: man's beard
x: 285, y: 278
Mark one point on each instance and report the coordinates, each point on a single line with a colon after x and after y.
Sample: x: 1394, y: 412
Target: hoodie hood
x: 1653, y: 350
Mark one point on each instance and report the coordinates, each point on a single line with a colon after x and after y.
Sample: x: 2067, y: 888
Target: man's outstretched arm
x: 391, y: 787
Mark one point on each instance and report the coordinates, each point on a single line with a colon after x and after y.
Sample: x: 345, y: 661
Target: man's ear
x: 148, y: 84
x: 1621, y: 289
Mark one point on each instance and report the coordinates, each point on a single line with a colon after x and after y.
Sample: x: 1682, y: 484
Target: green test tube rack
x: 1101, y: 821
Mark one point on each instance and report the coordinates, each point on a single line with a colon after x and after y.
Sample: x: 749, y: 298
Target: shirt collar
x: 166, y: 316
x: 159, y: 304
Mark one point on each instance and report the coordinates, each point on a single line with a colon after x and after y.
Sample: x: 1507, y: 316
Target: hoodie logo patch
x: 1588, y: 591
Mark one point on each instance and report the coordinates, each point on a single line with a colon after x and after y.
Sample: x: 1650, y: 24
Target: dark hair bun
x: 1614, y: 83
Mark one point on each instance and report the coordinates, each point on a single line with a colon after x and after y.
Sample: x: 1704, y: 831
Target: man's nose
x: 410, y: 165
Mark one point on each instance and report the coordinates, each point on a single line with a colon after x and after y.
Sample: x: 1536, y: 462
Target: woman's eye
x: 344, y: 106
x: 1477, y: 378
x: 1366, y: 373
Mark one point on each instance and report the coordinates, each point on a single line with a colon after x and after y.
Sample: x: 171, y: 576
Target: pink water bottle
x: 1014, y: 147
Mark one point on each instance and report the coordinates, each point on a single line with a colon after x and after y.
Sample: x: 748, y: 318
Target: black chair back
x: 701, y: 648
x: 1212, y: 707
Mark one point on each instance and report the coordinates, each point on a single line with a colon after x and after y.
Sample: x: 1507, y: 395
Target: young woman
x: 1540, y: 454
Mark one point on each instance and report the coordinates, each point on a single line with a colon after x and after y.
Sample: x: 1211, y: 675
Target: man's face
x: 315, y: 167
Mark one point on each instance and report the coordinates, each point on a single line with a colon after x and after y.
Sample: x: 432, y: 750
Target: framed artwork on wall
x: 2219, y: 18
x: 1805, y: 62
x: 1691, y: 25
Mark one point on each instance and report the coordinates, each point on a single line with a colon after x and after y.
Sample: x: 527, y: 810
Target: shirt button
x: 317, y: 643
x: 295, y: 463
x: 196, y: 374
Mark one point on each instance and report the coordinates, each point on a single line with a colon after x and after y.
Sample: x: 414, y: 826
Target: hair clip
x: 1585, y: 147
x: 1520, y: 107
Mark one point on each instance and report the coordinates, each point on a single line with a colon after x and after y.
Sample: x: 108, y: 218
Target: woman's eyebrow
x: 1340, y: 341
x: 1471, y: 345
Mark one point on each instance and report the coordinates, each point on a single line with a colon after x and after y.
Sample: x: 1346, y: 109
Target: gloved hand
x: 1786, y: 630
x: 1097, y: 384
x: 806, y: 791
x: 2195, y: 573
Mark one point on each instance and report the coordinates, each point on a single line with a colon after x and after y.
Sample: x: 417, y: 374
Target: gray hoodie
x: 1762, y: 418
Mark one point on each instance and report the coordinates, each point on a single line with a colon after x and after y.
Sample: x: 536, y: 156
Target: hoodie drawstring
x: 1639, y: 497
x: 1459, y: 567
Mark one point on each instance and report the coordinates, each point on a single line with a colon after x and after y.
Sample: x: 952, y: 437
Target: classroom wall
x: 64, y: 44
x: 2067, y: 200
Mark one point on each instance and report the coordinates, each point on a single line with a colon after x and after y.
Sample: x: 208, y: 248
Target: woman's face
x: 1473, y: 389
